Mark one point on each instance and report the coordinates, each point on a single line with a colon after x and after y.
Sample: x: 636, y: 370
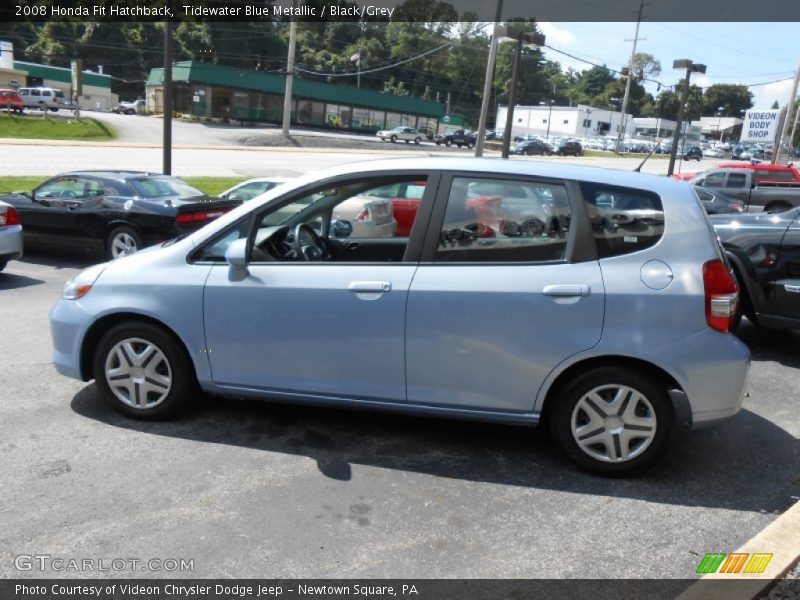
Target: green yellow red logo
x: 735, y: 562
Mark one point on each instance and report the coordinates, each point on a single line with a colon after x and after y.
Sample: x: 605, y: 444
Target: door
x: 495, y: 305
x: 53, y: 214
x: 787, y: 285
x: 331, y: 325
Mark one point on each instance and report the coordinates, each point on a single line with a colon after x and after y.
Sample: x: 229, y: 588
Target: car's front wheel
x: 613, y: 421
x: 122, y: 242
x: 142, y: 371
x: 417, y: 141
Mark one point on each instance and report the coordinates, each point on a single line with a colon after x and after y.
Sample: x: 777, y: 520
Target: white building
x: 656, y: 128
x: 572, y: 121
x: 717, y: 128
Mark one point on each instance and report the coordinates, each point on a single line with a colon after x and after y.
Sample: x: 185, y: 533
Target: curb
x: 781, y: 538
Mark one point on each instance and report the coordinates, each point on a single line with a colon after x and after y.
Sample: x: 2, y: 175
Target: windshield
x: 160, y: 187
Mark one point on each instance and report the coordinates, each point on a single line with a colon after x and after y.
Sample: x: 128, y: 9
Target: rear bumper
x: 10, y: 242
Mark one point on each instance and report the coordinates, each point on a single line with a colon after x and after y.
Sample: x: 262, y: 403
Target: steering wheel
x: 315, y: 249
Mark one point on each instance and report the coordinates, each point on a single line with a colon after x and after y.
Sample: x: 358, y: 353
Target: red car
x: 763, y: 172
x: 10, y: 100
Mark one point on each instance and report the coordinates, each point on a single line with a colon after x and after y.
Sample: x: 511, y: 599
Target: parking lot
x: 287, y: 491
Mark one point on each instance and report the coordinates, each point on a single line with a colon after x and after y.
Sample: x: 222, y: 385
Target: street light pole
x: 719, y: 122
x: 167, y: 96
x: 287, y: 96
x: 690, y: 68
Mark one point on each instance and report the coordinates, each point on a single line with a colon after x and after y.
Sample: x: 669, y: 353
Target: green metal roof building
x: 207, y: 90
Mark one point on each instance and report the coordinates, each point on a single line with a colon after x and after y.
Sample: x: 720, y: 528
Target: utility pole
x: 625, y: 98
x: 167, y: 95
x: 690, y: 67
x: 487, y: 81
x: 794, y: 131
x: 447, y: 106
x: 287, y: 96
x: 779, y: 146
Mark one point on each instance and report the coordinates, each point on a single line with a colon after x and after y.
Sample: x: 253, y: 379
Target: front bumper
x: 69, y: 322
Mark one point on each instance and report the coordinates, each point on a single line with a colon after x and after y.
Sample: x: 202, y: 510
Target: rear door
x: 498, y: 300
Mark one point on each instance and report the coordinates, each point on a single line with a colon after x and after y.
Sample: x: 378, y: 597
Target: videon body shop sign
x: 760, y: 125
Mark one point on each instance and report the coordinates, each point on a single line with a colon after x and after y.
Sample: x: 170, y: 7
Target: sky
x: 741, y: 53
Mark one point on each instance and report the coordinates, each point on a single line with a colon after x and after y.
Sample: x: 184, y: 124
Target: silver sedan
x: 10, y: 235
x: 403, y: 134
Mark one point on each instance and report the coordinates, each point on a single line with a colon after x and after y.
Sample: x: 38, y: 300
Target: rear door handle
x: 567, y: 291
x: 373, y: 287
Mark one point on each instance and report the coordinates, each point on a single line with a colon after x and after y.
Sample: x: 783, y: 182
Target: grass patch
x: 213, y: 185
x: 40, y: 127
x: 209, y: 185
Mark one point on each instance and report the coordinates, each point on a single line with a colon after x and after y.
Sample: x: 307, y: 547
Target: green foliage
x: 35, y: 126
x: 732, y: 98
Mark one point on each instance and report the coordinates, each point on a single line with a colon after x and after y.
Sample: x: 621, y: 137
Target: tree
x: 775, y: 105
x: 732, y: 98
x: 668, y: 103
x: 645, y: 65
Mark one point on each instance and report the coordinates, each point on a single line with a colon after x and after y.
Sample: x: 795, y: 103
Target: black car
x: 693, y: 152
x: 717, y: 203
x: 569, y: 148
x: 459, y: 137
x: 764, y: 251
x: 530, y: 147
x: 117, y: 212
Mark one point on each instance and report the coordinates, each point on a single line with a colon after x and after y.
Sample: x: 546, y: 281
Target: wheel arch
x: 617, y: 361
x: 745, y: 278
x: 100, y: 326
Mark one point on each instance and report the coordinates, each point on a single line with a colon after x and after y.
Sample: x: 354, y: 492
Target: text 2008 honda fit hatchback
x: 596, y: 300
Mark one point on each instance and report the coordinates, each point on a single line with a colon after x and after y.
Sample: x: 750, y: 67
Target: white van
x: 42, y: 98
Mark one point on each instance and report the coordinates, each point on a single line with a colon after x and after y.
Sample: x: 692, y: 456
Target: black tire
x: 183, y: 381
x: 417, y: 141
x: 393, y: 139
x: 660, y: 412
x: 3, y: 264
x: 448, y: 143
x: 470, y: 145
x: 119, y: 234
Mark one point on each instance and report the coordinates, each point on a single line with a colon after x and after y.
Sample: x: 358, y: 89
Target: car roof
x: 117, y: 175
x: 499, y: 166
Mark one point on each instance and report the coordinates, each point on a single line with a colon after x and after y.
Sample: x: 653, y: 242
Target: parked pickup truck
x: 770, y: 196
x: 459, y: 137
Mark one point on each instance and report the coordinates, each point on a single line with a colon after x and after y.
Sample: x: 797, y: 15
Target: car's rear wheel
x: 123, y: 241
x: 613, y: 421
x: 393, y: 139
x: 417, y: 141
x: 142, y: 371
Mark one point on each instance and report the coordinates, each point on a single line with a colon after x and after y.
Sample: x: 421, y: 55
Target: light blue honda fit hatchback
x: 594, y: 300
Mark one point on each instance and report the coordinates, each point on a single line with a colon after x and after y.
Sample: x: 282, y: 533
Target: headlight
x: 79, y: 286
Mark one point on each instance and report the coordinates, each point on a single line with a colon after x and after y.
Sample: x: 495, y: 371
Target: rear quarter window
x: 623, y: 220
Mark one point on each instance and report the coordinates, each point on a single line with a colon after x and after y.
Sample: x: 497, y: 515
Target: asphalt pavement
x: 259, y: 489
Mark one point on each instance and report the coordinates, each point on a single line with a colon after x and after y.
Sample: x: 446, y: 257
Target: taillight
x: 196, y: 217
x: 363, y: 215
x: 10, y: 217
x: 722, y: 295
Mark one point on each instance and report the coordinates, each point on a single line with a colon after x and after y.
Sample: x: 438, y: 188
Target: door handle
x: 370, y: 287
x: 567, y: 291
x: 352, y: 245
x: 792, y: 288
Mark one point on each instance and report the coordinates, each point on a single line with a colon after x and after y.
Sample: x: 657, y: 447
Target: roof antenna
x: 641, y: 164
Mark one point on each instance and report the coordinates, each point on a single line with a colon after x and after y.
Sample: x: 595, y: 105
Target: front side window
x: 623, y: 220
x: 504, y: 220
x: 714, y: 180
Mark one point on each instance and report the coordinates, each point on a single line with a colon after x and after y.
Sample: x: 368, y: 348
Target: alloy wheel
x: 123, y: 244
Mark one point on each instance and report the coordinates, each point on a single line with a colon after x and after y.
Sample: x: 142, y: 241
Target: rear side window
x: 736, y: 180
x: 499, y: 220
x: 623, y: 220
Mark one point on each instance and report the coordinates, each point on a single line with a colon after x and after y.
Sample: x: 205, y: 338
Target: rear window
x: 776, y: 175
x: 162, y: 187
x: 623, y: 220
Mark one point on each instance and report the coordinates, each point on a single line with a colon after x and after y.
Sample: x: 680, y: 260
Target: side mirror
x: 236, y: 254
x: 341, y: 229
